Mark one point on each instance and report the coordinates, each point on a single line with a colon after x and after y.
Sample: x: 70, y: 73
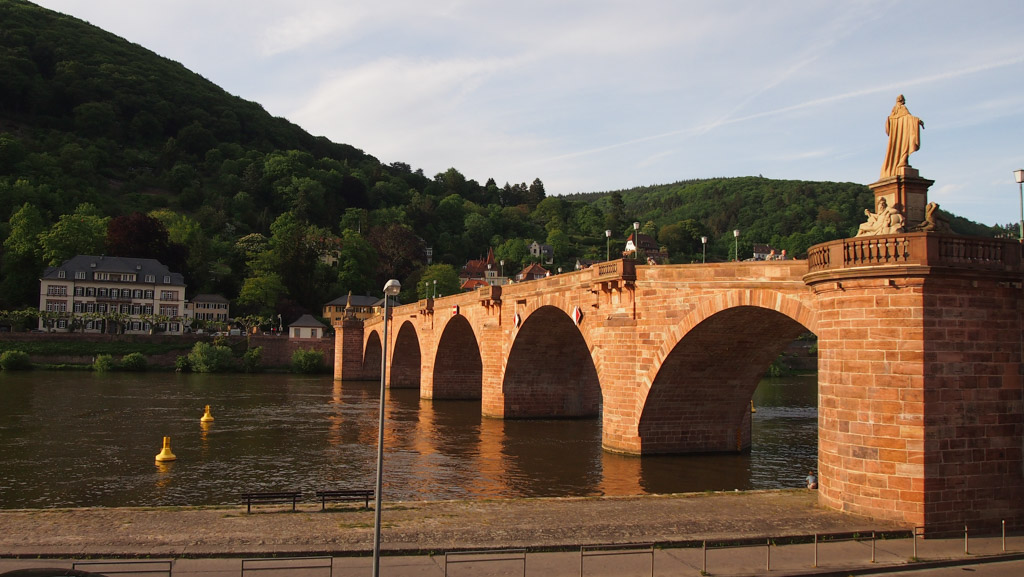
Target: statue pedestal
x: 908, y: 189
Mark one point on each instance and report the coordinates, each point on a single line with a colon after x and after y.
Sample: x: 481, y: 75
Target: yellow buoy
x: 752, y: 409
x: 207, y: 417
x: 165, y: 453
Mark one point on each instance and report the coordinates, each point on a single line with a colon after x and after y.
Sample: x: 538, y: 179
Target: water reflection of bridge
x: 919, y: 347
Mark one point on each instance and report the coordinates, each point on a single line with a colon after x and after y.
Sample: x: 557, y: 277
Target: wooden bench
x: 363, y: 495
x: 272, y: 497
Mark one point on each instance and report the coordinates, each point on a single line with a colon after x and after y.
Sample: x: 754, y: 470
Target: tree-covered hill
x: 106, y: 147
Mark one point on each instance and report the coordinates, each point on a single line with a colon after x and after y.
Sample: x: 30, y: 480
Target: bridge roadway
x: 921, y: 416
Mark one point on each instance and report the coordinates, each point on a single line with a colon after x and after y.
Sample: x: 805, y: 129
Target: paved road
x: 211, y: 541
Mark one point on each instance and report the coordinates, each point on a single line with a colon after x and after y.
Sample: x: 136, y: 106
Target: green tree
x: 81, y: 232
x: 357, y: 264
x: 447, y: 281
x: 560, y: 243
x: 515, y: 252
x: 21, y: 264
x: 261, y: 293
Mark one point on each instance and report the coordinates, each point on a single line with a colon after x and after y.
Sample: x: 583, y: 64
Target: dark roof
x: 357, y: 301
x: 209, y: 298
x: 307, y: 321
x: 116, y: 264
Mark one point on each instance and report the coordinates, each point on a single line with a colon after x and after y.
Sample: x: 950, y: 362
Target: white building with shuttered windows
x: 103, y: 294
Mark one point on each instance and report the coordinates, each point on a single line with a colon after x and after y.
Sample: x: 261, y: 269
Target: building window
x: 167, y: 279
x: 137, y: 294
x: 57, y: 291
x: 168, y: 310
x: 90, y: 308
x: 62, y: 274
x: 150, y: 278
x: 80, y: 275
x: 79, y: 291
x: 168, y: 295
x: 77, y: 307
x: 62, y: 323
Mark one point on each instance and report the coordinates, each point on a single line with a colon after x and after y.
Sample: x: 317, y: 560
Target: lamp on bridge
x: 704, y: 249
x: 435, y: 289
x: 1019, y: 176
x: 392, y: 288
x: 608, y: 251
x: 502, y: 269
x: 736, y: 235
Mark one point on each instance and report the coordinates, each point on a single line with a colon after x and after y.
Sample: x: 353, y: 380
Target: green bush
x: 251, y: 360
x: 133, y: 362
x: 207, y: 358
x: 15, y: 361
x: 182, y: 365
x: 103, y: 363
x: 307, y: 361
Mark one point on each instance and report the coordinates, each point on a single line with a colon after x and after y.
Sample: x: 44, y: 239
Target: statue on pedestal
x: 904, y: 132
x: 886, y: 220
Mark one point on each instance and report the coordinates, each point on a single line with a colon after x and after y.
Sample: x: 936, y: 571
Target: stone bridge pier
x: 920, y: 411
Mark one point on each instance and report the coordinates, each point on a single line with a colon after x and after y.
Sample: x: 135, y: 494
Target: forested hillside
x: 106, y: 147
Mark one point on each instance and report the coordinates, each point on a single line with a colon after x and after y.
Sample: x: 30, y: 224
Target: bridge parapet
x: 915, y: 249
x: 613, y: 274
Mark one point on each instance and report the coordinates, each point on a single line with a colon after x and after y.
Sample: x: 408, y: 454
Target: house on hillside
x: 486, y: 269
x: 542, y: 251
x: 306, y: 327
x: 532, y: 272
x: 356, y: 306
x: 106, y: 294
x: 210, y: 308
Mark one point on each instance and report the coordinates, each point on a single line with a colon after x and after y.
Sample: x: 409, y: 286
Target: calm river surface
x: 85, y: 439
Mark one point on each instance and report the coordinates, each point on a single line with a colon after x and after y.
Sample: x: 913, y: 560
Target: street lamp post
x: 392, y: 288
x: 736, y: 235
x: 502, y: 261
x: 435, y: 289
x: 1019, y: 176
x: 704, y: 249
x: 608, y: 251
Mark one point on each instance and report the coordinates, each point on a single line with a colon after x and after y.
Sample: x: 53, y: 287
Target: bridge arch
x: 405, y: 360
x: 550, y: 371
x: 458, y: 366
x: 372, y: 352
x: 699, y: 397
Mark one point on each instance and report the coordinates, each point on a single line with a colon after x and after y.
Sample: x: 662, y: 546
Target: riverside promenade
x: 416, y: 535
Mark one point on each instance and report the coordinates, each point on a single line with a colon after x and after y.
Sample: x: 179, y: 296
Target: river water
x: 85, y: 439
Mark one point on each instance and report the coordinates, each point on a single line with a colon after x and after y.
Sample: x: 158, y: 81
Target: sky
x: 600, y: 95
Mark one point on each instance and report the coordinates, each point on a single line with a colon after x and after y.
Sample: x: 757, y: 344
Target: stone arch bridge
x: 920, y: 410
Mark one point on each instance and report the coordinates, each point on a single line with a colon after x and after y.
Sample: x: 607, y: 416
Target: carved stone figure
x: 886, y: 220
x: 933, y: 221
x: 904, y: 138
